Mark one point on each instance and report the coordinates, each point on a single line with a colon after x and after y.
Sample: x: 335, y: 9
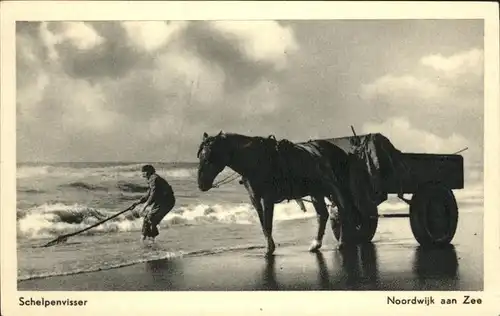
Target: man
x: 161, y: 198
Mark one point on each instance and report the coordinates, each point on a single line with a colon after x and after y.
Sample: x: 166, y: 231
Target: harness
x: 281, y: 153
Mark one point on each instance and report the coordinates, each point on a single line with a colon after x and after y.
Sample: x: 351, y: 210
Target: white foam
x: 45, y: 220
x: 243, y: 213
x: 28, y: 172
x: 134, y: 172
x: 178, y: 173
x: 392, y: 207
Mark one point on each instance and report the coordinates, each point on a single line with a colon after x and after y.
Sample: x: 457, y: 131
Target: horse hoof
x: 315, y: 245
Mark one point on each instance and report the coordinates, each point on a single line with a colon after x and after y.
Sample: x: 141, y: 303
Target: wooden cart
x: 430, y: 178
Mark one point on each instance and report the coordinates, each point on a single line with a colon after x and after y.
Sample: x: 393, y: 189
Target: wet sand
x: 394, y: 261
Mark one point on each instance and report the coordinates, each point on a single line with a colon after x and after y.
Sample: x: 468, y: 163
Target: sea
x: 59, y: 198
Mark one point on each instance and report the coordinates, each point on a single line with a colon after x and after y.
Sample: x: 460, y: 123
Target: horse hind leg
x: 266, y: 213
x: 345, y: 209
x: 322, y: 217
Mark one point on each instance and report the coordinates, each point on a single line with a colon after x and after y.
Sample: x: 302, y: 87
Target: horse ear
x: 222, y: 134
x: 205, y: 135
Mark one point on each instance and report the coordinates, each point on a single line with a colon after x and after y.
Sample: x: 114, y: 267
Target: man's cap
x: 148, y: 168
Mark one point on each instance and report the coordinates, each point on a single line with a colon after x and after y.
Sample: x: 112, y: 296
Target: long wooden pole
x: 63, y: 238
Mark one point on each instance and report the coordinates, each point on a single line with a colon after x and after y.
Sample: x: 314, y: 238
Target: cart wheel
x: 369, y: 220
x: 433, y: 215
x: 363, y: 233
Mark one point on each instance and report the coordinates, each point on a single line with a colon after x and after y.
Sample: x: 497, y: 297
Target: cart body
x: 429, y: 177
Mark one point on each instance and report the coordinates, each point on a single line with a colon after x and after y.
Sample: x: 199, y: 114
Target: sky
x: 147, y: 91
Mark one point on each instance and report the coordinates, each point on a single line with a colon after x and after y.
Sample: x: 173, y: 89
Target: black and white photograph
x: 250, y: 155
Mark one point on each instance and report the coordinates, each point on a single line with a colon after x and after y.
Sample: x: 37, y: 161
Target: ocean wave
x: 389, y: 207
x: 32, y: 171
x: 111, y: 171
x: 131, y: 187
x: 130, y: 197
x: 121, y: 167
x: 51, y: 220
x: 30, y: 191
x: 179, y: 173
x: 84, y: 186
x: 242, y: 213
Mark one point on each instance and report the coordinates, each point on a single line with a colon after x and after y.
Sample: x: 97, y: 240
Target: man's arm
x: 151, y: 192
x: 145, y: 197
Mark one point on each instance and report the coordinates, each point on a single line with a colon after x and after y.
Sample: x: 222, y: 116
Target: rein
x: 230, y: 178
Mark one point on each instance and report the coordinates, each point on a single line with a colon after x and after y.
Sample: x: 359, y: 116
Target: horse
x: 273, y: 171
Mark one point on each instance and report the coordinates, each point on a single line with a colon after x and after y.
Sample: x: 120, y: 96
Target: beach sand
x: 231, y: 257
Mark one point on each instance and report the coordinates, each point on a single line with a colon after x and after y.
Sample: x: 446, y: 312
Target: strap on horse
x: 278, y: 152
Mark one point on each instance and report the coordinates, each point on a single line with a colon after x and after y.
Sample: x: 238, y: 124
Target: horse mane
x: 270, y: 140
x: 237, y: 137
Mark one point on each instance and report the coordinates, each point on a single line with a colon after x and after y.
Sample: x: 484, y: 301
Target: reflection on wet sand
x: 166, y: 273
x: 356, y: 267
x: 323, y: 274
x: 269, y: 274
x: 359, y: 264
x: 436, y: 262
x: 383, y: 267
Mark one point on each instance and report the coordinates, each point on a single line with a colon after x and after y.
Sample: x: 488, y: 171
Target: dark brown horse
x: 273, y: 171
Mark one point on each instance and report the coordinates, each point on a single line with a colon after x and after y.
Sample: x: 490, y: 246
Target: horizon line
x: 108, y: 161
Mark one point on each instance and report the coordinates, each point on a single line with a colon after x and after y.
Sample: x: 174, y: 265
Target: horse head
x: 214, y: 156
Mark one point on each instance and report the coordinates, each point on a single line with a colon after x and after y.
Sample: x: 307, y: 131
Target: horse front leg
x: 265, y: 211
x: 322, y: 217
x: 268, y: 214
